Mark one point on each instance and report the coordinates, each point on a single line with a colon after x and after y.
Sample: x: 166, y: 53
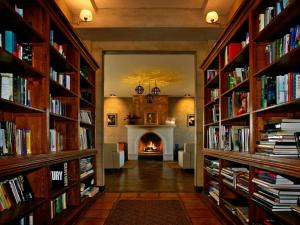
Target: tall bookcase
x: 61, y: 70
x: 222, y: 112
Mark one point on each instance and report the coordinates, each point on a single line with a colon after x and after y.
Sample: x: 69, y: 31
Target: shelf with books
x: 237, y: 209
x: 12, y: 64
x: 212, y: 124
x: 87, y: 176
x: 243, y: 117
x: 10, y: 106
x: 59, y: 62
x: 85, y: 83
x: 83, y: 124
x: 58, y: 117
x: 214, y: 101
x: 239, y: 60
x: 54, y: 193
x: 214, y: 82
x: 279, y: 23
x: 238, y: 192
x: 280, y: 108
x: 85, y: 103
x: 242, y: 86
x: 58, y: 90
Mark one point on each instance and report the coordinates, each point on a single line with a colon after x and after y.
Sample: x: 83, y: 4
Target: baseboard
x: 198, y: 189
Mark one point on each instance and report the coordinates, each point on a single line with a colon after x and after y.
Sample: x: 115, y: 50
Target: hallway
x: 150, y: 180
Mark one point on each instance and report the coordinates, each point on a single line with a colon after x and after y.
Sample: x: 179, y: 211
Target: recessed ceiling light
x: 113, y: 95
x: 187, y: 95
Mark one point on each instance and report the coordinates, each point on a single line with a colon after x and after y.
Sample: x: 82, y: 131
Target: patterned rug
x: 148, y: 212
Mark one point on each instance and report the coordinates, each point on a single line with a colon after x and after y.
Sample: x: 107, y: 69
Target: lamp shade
x: 86, y: 15
x: 212, y: 17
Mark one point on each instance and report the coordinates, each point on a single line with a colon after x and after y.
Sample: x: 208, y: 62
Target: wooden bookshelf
x: 253, y: 55
x: 39, y: 18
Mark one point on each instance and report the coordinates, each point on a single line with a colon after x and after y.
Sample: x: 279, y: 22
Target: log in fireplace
x: 150, y: 143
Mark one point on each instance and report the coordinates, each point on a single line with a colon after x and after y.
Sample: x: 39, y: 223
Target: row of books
x: 14, y: 88
x: 212, y: 166
x: 86, y: 95
x: 237, y: 76
x: 214, y: 94
x: 215, y: 113
x: 58, y: 107
x: 213, y: 191
x: 84, y: 71
x: 13, y: 140
x: 58, y: 205
x: 279, y: 89
x: 26, y: 220
x: 86, y: 116
x: 59, y: 175
x: 237, y: 104
x: 14, y: 191
x: 61, y: 78
x: 23, y: 51
x: 283, y: 45
x: 56, y: 141
x: 85, y: 138
x: 270, y: 13
x: 211, y: 74
x: 231, y: 174
x: 235, y: 138
x: 233, y: 49
x: 213, y: 137
x: 279, y: 138
x: 238, y: 208
x: 55, y: 45
x: 275, y: 192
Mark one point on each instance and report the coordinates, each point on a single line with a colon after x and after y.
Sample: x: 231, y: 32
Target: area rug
x: 147, y: 212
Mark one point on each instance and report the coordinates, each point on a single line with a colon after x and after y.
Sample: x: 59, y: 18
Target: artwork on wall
x: 111, y: 119
x: 150, y: 118
x: 190, y: 120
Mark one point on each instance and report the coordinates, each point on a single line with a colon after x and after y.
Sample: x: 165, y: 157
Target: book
x: 59, y: 175
x: 7, y: 86
x: 240, y: 103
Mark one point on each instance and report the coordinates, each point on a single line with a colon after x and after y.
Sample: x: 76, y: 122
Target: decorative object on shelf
x: 149, y: 97
x: 139, y: 89
x: 190, y: 120
x: 112, y: 119
x: 131, y: 119
x: 86, y: 15
x: 150, y: 118
x: 212, y: 17
x: 155, y: 90
x: 170, y: 121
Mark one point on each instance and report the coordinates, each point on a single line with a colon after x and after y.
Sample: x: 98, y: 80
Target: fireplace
x: 150, y: 143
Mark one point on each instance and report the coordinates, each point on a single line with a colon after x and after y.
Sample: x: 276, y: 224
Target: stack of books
x: 56, y: 141
x: 58, y: 107
x: 61, y: 78
x: 213, y: 191
x: 275, y: 192
x: 211, y: 74
x: 235, y: 138
x: 242, y: 182
x: 87, y: 188
x: 212, y: 166
x: 86, y: 167
x: 85, y: 138
x: 230, y: 175
x: 237, y: 76
x: 278, y: 138
x: 213, y: 137
x: 86, y: 116
x: 58, y: 205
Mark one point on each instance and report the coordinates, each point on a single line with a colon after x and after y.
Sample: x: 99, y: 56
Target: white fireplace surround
x: 165, y: 132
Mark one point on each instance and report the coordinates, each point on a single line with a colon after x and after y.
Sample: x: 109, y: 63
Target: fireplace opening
x: 151, y: 143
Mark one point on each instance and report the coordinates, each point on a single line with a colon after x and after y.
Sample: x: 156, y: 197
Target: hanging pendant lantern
x: 139, y: 89
x: 155, y: 90
x: 149, y: 96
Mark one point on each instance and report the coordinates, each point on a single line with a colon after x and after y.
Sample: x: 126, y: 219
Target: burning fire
x: 150, y: 147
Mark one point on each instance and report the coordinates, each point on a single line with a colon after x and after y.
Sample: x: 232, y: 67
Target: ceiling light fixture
x: 139, y: 89
x: 187, y: 95
x: 113, y: 95
x: 212, y: 17
x: 155, y: 90
x: 86, y: 15
x: 149, y: 97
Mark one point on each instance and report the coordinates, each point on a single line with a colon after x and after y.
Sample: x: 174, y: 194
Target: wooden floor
x: 134, y: 183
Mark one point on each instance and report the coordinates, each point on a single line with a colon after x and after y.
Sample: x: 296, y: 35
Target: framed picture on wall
x: 111, y: 119
x: 190, y: 120
x: 150, y: 118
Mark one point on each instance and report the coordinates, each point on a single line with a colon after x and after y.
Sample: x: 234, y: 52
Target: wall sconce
x: 212, y: 17
x: 86, y: 15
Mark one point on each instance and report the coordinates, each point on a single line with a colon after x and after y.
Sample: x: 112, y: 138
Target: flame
x: 151, y: 145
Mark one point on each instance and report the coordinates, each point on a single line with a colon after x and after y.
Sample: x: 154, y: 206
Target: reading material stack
x: 251, y: 127
x: 44, y: 68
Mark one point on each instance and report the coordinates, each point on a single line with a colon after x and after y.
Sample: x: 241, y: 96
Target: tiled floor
x: 150, y: 180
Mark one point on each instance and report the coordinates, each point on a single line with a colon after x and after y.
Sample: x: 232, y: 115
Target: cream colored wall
x: 121, y: 106
x: 64, y: 8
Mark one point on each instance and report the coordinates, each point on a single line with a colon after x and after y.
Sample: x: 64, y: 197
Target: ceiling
x: 174, y: 73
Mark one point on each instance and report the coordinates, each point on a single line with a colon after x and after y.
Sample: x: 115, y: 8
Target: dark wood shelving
x: 12, y: 64
x: 215, y: 101
x: 24, y: 31
x: 57, y: 90
x: 86, y: 104
x: 59, y: 63
x: 87, y: 176
x: 242, y: 86
x: 85, y: 83
x: 280, y: 24
x: 285, y: 64
x: 57, y: 192
x: 20, y: 210
x: 234, y: 217
x: 213, y: 82
x: 280, y: 108
x: 9, y: 106
x: 216, y: 178
x: 241, y: 193
x: 62, y: 118
x: 83, y: 124
x: 212, y: 124
x: 61, y: 218
x: 242, y: 117
x: 239, y: 60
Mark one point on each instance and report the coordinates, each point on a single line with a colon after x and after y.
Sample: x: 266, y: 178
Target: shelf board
x: 242, y: 86
x: 215, y: 101
x: 289, y: 218
x: 87, y: 176
x: 240, y: 60
x: 242, y: 117
x: 285, y: 64
x: 216, y: 178
x: 9, y: 106
x: 12, y: 64
x: 57, y: 192
x: 20, y: 210
x: 59, y: 63
x: 283, y: 107
x: 85, y: 83
x: 62, y: 118
x: 25, y: 32
x: 86, y: 104
x: 57, y: 90
x: 212, y: 124
x: 280, y: 24
x: 213, y: 82
x: 83, y: 124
